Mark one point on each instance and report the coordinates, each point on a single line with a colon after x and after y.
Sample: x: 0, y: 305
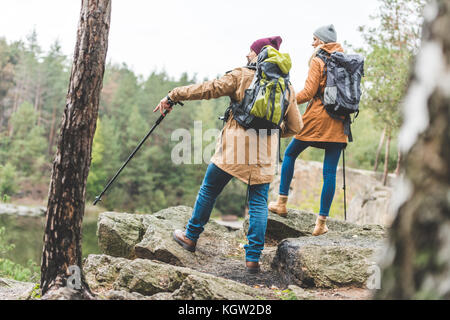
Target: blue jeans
x: 215, y: 180
x: 332, y: 155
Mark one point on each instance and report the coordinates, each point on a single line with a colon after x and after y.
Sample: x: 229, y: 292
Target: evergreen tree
x: 28, y: 144
x: 391, y: 47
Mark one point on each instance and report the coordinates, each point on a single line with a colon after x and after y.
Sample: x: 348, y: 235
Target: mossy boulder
x: 111, y: 276
x: 328, y: 261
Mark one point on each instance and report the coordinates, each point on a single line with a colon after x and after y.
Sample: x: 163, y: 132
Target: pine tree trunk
x: 386, y: 159
x: 380, y: 146
x: 65, y: 210
x: 417, y: 260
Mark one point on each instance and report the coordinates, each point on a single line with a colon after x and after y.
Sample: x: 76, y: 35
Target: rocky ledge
x: 140, y: 260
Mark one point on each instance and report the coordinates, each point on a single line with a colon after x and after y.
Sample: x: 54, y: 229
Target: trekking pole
x: 345, y: 196
x: 161, y: 118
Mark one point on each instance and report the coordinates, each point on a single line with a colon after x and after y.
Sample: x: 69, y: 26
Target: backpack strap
x: 251, y: 66
x: 226, y: 115
x: 347, y: 121
x: 347, y: 128
x: 324, y: 56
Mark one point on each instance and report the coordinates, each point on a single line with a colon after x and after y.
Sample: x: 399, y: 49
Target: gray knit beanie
x: 326, y: 33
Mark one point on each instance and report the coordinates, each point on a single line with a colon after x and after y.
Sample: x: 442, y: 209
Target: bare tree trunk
x: 380, y: 146
x: 386, y: 159
x: 399, y: 163
x: 417, y: 260
x: 61, y: 256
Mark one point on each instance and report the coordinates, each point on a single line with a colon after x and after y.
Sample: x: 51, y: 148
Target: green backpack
x: 267, y: 99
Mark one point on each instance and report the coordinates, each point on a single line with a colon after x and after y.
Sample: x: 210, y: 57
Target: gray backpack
x: 343, y: 87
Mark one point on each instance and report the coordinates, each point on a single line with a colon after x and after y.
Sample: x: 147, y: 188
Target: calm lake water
x: 27, y: 233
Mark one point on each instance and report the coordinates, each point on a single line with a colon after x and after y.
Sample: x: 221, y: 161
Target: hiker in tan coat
x: 320, y: 130
x: 234, y: 159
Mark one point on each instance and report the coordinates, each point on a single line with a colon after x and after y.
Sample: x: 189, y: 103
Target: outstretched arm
x: 224, y: 86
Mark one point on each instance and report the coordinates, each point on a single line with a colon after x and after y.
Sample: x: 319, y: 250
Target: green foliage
x: 385, y: 84
x: 8, y: 185
x: 28, y: 145
x: 10, y: 269
x: 33, y: 85
x: 390, y: 49
x: 4, y: 246
x: 286, y: 294
x: 36, y: 292
x: 361, y: 152
x: 5, y: 198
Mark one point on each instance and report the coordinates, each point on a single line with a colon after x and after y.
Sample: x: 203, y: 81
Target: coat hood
x: 332, y: 47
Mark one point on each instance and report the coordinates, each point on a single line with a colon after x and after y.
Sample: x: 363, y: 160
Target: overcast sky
x: 203, y: 37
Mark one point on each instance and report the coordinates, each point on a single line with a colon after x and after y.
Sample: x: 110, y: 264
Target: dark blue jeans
x: 332, y: 155
x: 215, y: 180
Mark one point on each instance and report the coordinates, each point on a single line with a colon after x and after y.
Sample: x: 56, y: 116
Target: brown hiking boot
x: 279, y: 207
x: 321, y: 226
x: 180, y: 237
x: 252, y: 267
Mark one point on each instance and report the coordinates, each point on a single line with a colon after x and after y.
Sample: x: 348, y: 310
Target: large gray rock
x: 301, y: 224
x: 110, y: 276
x: 118, y: 233
x: 149, y: 236
x: 336, y: 259
x: 15, y: 290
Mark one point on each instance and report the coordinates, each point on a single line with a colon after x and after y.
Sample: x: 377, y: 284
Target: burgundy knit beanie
x: 261, y: 43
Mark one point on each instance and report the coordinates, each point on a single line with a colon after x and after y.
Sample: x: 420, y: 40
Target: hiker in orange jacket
x: 320, y: 130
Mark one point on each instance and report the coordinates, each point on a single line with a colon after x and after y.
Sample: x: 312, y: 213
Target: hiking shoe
x: 180, y: 237
x: 279, y: 207
x: 253, y: 267
x: 321, y: 227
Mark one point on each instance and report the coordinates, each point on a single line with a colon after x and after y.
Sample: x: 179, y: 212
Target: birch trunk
x: 417, y: 261
x: 386, y: 159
